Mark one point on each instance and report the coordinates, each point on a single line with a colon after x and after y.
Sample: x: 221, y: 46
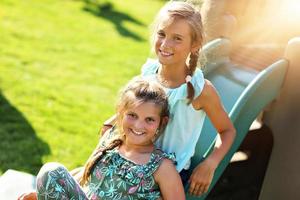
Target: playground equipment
x: 244, y: 92
x: 263, y: 32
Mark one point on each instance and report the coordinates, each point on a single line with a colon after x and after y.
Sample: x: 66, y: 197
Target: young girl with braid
x: 177, y: 40
x: 130, y: 166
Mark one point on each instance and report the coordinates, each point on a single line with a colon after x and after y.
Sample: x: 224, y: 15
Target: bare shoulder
x: 166, y: 169
x: 166, y: 165
x: 169, y: 181
x: 208, y: 89
x: 208, y: 95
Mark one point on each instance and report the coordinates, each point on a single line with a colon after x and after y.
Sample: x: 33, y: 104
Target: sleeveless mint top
x: 185, y: 123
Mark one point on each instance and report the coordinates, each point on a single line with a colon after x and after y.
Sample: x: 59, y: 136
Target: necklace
x: 164, y: 82
x: 168, y: 83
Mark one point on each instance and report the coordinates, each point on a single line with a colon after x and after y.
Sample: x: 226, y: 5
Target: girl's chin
x: 164, y: 61
x: 137, y: 139
x: 137, y: 142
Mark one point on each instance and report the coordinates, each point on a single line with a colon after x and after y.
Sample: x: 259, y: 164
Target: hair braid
x: 95, y: 157
x: 191, y: 69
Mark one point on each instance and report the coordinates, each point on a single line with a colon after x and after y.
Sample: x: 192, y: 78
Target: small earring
x: 155, y: 135
x: 157, y: 132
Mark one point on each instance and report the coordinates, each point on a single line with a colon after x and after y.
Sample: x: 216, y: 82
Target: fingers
x: 192, y: 188
x: 198, y: 189
x: 200, y: 179
x: 203, y: 189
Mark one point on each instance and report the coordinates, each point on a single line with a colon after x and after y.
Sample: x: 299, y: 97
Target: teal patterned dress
x: 113, y: 177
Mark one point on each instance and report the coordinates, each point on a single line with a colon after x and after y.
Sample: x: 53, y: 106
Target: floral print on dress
x: 124, y: 179
x: 113, y: 177
x: 58, y: 184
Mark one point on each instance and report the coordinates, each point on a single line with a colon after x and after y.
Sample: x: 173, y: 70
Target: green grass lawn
x: 62, y: 63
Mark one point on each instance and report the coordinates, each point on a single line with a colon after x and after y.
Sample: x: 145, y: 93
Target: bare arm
x: 169, y: 181
x: 210, y: 102
x: 108, y: 124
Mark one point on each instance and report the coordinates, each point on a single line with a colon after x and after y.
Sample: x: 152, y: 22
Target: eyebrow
x: 176, y: 34
x: 152, y: 117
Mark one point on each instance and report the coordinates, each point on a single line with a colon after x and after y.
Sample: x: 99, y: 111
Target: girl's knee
x: 50, y: 168
x: 49, y: 178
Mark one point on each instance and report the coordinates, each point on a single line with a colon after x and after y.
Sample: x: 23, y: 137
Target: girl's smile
x: 140, y: 123
x: 173, y: 41
x: 164, y: 53
x: 136, y: 132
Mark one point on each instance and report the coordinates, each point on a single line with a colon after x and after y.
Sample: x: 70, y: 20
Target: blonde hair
x: 183, y: 10
x: 139, y: 90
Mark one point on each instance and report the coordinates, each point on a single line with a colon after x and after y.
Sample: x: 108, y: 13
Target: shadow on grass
x: 106, y: 11
x: 20, y: 148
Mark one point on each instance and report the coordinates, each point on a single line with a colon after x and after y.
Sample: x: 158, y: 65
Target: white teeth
x: 165, y: 53
x: 137, y: 132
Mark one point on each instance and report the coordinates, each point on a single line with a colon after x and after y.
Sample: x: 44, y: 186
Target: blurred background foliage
x: 62, y: 63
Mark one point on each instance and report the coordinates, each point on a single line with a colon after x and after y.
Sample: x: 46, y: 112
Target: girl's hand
x: 28, y: 196
x: 104, y: 128
x: 108, y: 124
x: 201, y: 177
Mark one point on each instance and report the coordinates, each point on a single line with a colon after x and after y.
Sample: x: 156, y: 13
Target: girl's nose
x: 166, y: 43
x: 139, y: 125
